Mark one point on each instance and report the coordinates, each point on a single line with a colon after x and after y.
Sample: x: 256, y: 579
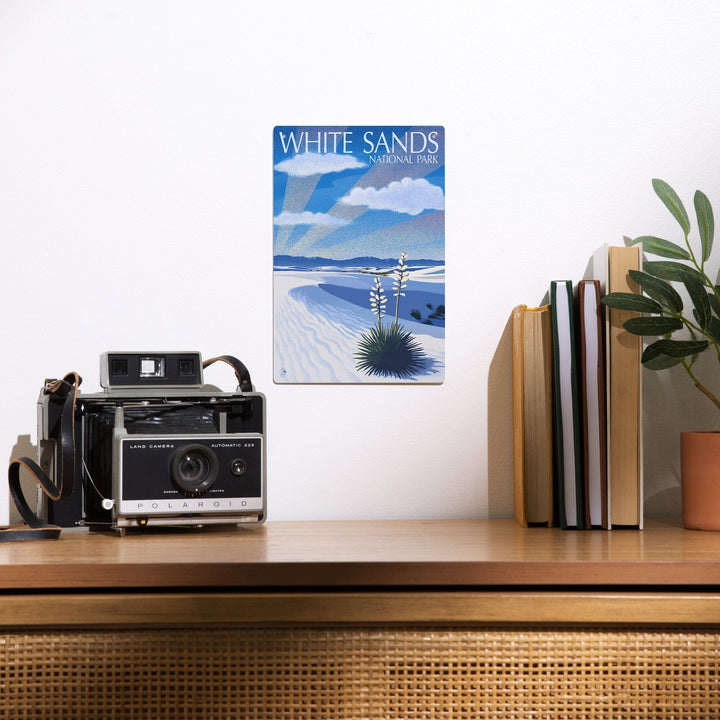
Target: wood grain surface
x: 385, y: 554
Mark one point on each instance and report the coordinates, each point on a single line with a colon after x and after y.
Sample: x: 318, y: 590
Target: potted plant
x: 664, y: 317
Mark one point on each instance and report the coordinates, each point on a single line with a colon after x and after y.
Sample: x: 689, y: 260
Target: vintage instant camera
x: 157, y: 446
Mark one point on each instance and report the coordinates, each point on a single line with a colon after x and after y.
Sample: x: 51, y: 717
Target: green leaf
x: 663, y: 248
x: 669, y: 270
x: 699, y: 297
x: 714, y: 303
x: 631, y: 301
x: 673, y: 349
x: 673, y: 203
x: 661, y: 362
x: 706, y: 222
x: 714, y: 329
x: 652, y: 325
x: 658, y: 290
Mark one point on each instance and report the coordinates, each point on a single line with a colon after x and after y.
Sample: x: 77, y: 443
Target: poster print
x: 359, y: 254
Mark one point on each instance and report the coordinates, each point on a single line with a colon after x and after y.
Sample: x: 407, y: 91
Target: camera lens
x: 193, y: 469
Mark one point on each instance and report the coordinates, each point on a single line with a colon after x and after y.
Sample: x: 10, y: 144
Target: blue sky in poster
x: 343, y: 192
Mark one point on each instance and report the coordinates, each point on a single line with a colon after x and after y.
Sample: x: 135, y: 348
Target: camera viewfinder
x: 153, y: 367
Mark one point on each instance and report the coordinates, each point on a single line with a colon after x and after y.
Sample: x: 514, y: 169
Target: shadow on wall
x: 24, y: 448
x: 499, y: 441
x: 672, y: 405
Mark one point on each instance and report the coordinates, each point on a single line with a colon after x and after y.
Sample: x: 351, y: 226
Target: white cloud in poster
x: 309, y: 164
x: 404, y: 196
x: 308, y: 218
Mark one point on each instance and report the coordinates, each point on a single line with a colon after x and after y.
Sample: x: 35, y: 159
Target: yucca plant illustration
x: 665, y: 313
x: 390, y: 350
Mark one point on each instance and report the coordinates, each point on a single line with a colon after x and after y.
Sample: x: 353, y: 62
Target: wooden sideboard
x: 366, y: 619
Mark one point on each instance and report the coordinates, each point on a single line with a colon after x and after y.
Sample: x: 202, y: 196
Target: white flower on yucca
x: 378, y: 300
x: 400, y: 275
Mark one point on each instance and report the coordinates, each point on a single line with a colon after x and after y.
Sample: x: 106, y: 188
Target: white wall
x: 135, y: 204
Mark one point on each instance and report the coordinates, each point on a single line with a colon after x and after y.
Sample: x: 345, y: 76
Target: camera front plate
x: 171, y: 475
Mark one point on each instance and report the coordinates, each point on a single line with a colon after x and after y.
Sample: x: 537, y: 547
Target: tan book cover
x: 532, y: 415
x: 624, y: 396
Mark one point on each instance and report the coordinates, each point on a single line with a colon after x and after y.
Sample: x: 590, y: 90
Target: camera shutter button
x: 238, y: 467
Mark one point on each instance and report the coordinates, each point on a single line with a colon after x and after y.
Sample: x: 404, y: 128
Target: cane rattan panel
x: 375, y: 673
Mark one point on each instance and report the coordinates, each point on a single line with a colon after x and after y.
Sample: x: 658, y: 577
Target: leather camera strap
x: 241, y: 372
x: 33, y: 527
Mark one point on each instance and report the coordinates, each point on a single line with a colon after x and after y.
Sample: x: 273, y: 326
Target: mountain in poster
x: 359, y: 254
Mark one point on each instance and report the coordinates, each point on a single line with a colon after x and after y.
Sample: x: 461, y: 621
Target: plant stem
x: 700, y: 386
x: 708, y: 394
x: 692, y: 254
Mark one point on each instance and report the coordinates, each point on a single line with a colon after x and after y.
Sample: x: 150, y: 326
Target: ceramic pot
x: 700, y: 480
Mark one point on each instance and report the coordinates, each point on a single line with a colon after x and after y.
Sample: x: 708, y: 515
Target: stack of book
x: 577, y: 403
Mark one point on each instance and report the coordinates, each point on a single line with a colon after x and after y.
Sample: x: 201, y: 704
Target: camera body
x: 157, y: 446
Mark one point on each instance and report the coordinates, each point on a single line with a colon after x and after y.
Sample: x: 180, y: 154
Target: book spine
x: 566, y: 411
x: 518, y: 416
x: 625, y: 397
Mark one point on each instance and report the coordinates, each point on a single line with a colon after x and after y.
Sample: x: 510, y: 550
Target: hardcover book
x: 532, y: 376
x: 567, y: 420
x: 359, y: 254
x: 625, y: 414
x: 592, y: 374
x: 623, y: 374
